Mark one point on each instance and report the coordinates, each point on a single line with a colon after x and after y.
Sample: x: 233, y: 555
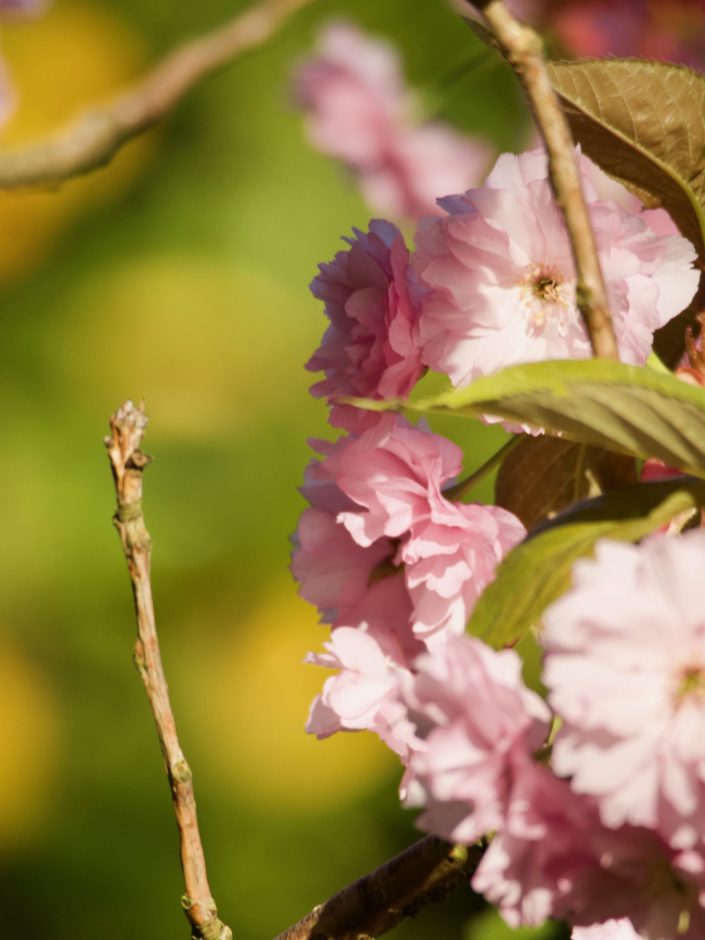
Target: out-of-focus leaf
x: 537, y: 572
x: 643, y: 123
x: 629, y: 409
x: 542, y: 475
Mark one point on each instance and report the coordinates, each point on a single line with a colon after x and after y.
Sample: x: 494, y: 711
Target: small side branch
x: 462, y: 487
x: 93, y: 140
x: 427, y: 872
x: 523, y: 49
x: 127, y: 461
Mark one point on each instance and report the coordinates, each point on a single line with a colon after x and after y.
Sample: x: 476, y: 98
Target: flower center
x: 544, y: 294
x: 690, y: 683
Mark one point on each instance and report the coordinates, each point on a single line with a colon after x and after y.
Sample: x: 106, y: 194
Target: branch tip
x: 127, y: 427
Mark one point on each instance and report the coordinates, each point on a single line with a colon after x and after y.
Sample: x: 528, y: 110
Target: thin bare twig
x: 95, y: 137
x: 462, y: 487
x: 523, y: 47
x: 127, y: 461
x: 427, y: 872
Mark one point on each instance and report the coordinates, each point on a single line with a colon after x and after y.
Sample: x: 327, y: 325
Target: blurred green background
x: 179, y: 275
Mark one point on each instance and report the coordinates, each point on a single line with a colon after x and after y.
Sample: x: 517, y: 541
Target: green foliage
x: 642, y: 122
x: 628, y: 409
x: 537, y: 572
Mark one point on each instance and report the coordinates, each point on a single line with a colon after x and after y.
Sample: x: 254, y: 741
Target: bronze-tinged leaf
x: 542, y: 475
x: 643, y: 123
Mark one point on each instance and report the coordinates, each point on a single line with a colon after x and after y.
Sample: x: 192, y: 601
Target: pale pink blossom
x: 554, y: 858
x: 671, y: 30
x: 363, y: 694
x: 607, y: 189
x: 534, y: 865
x: 359, y: 110
x: 450, y: 559
x: 333, y: 570
x: 480, y: 727
x: 421, y: 164
x: 369, y: 350
x: 625, y: 668
x: 394, y: 474
x: 352, y: 92
x: 501, y: 280
x: 621, y: 929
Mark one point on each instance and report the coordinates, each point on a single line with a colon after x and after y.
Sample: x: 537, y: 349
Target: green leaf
x: 537, y: 572
x: 542, y: 475
x: 629, y: 409
x: 643, y: 123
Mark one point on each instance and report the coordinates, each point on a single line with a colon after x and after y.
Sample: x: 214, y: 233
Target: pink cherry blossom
x: 394, y: 474
x: 450, y: 559
x: 378, y: 506
x: 554, y: 858
x: 671, y: 30
x: 359, y: 110
x: 369, y: 349
x: 605, y: 188
x: 421, y: 164
x: 625, y: 666
x: 501, y: 279
x: 621, y: 929
x: 352, y: 92
x: 480, y: 726
x: 333, y: 570
x: 533, y: 867
x: 378, y: 510
x: 364, y: 693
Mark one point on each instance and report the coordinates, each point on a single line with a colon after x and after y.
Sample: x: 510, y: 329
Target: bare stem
x: 458, y: 490
x: 95, y: 137
x: 523, y: 48
x: 428, y: 871
x: 127, y: 461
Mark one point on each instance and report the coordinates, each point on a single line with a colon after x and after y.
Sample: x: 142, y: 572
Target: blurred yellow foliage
x: 202, y: 339
x: 29, y: 748
x: 76, y: 56
x: 259, y: 694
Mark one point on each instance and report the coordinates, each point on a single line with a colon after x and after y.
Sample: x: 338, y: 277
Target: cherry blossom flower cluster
x: 359, y: 110
x: 669, y: 30
x: 491, y: 283
x: 602, y: 822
